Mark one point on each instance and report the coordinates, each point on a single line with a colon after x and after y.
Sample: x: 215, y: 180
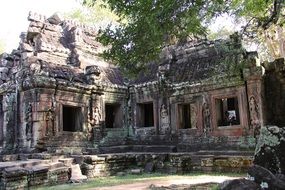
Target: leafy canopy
x: 148, y: 25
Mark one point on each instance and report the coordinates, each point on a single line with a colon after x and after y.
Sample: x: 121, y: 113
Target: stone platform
x: 164, y: 162
x: 46, y: 169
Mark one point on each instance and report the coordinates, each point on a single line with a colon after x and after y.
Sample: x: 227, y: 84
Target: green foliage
x: 152, y: 24
x: 98, y: 14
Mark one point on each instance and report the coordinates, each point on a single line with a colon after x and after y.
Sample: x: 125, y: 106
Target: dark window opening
x: 112, y: 115
x: 145, y: 115
x: 148, y: 115
x: 185, y: 116
x: 227, y: 111
x: 72, y: 119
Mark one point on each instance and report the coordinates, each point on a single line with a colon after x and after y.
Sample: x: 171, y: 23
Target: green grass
x: 127, y: 179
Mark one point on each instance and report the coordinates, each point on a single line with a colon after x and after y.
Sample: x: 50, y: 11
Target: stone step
x: 137, y: 148
x: 156, y: 148
x: 23, y: 164
x: 51, y: 165
x: 43, y: 156
x: 33, y: 162
x: 115, y: 149
x: 55, y: 158
x: 66, y: 150
x: 67, y: 144
x: 225, y: 152
x: 92, y: 150
x: 67, y: 161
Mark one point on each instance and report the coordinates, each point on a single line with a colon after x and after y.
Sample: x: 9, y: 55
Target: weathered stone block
x: 207, y: 162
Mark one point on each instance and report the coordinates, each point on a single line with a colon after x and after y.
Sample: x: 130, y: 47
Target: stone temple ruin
x: 57, y: 97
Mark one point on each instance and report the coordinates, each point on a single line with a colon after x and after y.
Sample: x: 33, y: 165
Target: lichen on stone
x: 266, y: 138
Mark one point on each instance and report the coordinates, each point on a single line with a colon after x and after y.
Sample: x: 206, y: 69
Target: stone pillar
x: 9, y: 117
x: 1, y: 121
x: 164, y: 116
x: 95, y: 118
x: 156, y: 116
x: 254, y: 84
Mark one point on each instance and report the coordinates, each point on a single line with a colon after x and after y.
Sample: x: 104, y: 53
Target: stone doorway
x: 145, y: 116
x: 184, y: 116
x: 72, y: 118
x: 112, y: 116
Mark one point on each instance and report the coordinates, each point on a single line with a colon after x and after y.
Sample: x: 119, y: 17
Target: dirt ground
x: 181, y: 182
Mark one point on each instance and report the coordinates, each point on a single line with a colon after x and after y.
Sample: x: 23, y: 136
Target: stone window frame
x: 189, y: 102
x: 121, y: 108
x: 238, y: 92
x: 60, y: 116
x: 237, y: 114
x: 180, y: 111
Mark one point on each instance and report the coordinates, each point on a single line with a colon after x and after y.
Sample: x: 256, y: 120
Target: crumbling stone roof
x: 192, y: 62
x: 59, y: 49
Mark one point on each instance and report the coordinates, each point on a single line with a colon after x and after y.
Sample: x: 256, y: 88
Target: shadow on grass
x: 128, y: 179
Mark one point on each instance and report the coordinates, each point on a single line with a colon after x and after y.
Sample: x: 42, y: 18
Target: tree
x: 98, y: 15
x: 153, y: 24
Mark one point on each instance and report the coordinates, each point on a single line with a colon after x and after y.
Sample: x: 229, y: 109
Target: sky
x: 14, y: 13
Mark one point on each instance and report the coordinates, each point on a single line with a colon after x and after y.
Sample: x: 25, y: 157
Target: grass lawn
x: 127, y: 179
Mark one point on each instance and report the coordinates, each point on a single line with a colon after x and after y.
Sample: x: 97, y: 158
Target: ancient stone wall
x: 56, y: 74
x: 175, y: 163
x: 274, y: 90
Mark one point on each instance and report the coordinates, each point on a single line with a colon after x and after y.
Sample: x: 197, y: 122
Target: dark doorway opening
x: 145, y: 116
x: 148, y: 115
x: 111, y: 115
x: 185, y: 117
x: 72, y: 119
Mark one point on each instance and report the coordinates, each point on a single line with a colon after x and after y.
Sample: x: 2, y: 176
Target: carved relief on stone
x: 8, y: 107
x: 50, y: 118
x: 193, y: 114
x: 164, y: 116
x: 206, y: 117
x: 33, y: 16
x: 254, y: 115
x: 9, y: 100
x: 93, y: 74
x: 97, y: 116
x: 29, y: 121
x: 94, y: 116
x: 36, y: 68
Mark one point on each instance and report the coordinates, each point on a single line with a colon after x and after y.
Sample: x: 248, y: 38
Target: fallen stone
x: 76, y: 175
x: 239, y: 184
x: 261, y: 175
x: 121, y: 174
x: 136, y: 171
x: 149, y: 167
